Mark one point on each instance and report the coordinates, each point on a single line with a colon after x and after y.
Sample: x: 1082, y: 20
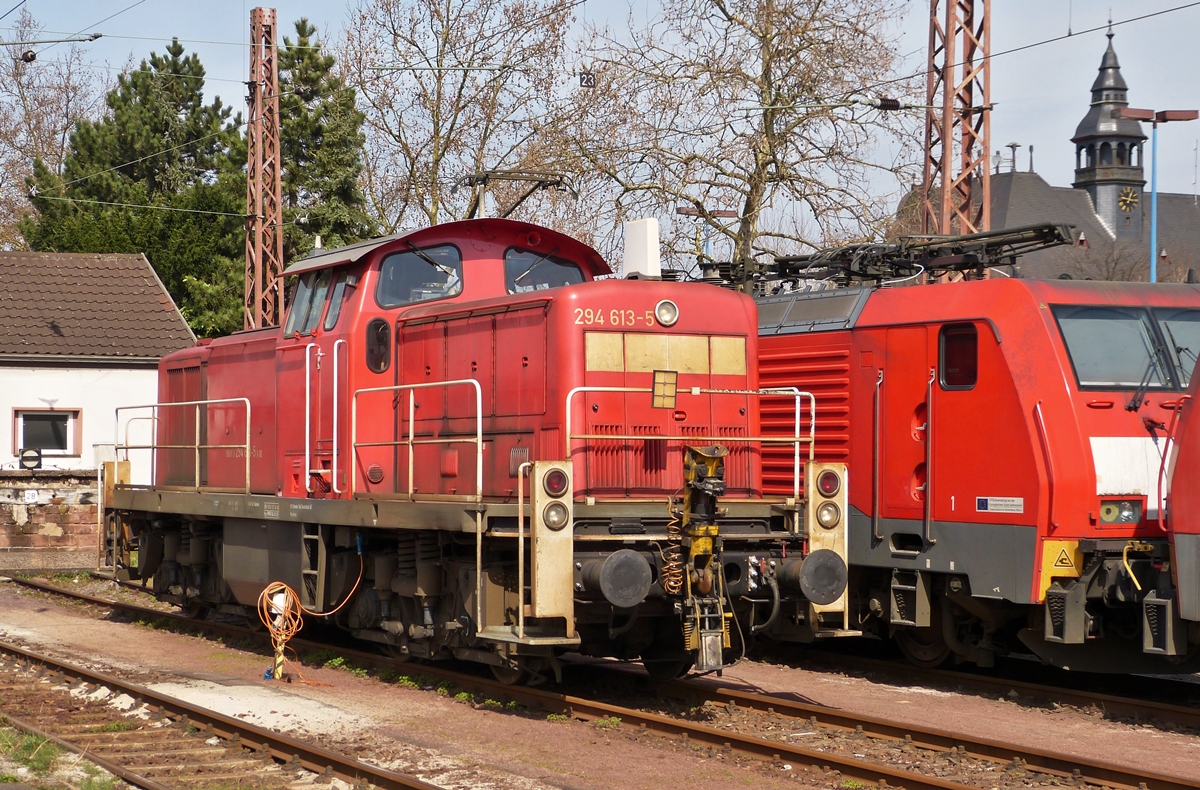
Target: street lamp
x: 1155, y: 118
x: 690, y: 211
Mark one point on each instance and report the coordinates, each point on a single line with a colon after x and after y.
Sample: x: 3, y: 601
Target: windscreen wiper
x: 533, y: 266
x: 439, y: 266
x: 1179, y: 350
x: 1157, y: 362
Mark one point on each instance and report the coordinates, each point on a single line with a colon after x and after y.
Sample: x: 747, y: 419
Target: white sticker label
x: 999, y: 504
x: 31, y: 496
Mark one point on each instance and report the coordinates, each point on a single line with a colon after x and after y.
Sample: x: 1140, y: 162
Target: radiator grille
x: 825, y: 372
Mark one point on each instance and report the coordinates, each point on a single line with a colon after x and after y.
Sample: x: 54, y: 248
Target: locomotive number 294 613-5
x: 588, y: 316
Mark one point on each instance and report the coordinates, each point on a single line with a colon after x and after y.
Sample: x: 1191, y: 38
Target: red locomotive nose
x: 828, y: 483
x: 555, y: 482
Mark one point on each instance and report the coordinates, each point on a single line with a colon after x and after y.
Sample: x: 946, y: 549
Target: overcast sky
x: 1040, y: 93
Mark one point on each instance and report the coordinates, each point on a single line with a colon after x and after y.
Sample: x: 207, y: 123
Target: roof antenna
x: 1030, y: 158
x: 1070, y: 15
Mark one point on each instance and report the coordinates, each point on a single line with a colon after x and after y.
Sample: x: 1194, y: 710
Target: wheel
x: 254, y: 624
x: 396, y: 654
x: 194, y: 610
x: 668, y: 668
x: 923, y: 647
x: 509, y: 674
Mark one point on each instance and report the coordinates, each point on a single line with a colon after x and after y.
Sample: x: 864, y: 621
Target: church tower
x: 1108, y: 154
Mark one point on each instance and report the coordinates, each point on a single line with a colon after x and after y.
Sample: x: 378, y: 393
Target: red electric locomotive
x: 1006, y: 437
x: 1183, y: 507
x: 461, y: 443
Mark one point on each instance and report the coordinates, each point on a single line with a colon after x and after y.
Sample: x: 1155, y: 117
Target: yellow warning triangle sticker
x: 1063, y: 560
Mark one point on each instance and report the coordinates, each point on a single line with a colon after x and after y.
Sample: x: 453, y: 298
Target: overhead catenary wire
x: 101, y: 22
x: 832, y: 102
x: 14, y: 8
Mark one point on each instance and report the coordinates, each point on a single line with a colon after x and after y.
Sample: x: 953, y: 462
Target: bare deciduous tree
x: 39, y: 105
x: 450, y: 88
x: 715, y: 107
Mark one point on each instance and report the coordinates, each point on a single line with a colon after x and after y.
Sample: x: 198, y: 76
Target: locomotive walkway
x: 1010, y: 757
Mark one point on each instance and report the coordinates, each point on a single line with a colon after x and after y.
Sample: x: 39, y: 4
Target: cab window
x: 306, y: 303
x: 958, y: 356
x: 339, y: 294
x: 1112, y: 347
x: 419, y: 276
x: 531, y: 271
x: 1181, y: 329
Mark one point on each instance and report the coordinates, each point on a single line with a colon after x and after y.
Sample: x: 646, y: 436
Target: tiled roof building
x: 61, y: 306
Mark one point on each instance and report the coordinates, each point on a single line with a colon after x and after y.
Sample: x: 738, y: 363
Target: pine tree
x: 159, y: 144
x: 322, y: 143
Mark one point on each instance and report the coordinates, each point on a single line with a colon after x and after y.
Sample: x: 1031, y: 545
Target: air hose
x: 280, y: 610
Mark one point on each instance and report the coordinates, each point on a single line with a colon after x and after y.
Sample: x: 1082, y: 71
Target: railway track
x: 901, y: 736
x: 1146, y: 706
x: 159, y: 742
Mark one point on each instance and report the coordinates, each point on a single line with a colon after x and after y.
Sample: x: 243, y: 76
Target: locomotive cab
x: 466, y: 442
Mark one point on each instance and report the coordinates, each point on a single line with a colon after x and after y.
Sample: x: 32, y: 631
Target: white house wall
x: 95, y: 392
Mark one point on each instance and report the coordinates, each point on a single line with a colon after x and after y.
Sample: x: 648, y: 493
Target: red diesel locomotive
x: 461, y: 443
x: 1006, y: 437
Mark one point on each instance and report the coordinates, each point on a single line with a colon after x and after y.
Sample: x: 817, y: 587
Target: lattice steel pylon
x: 956, y: 190
x: 264, y: 179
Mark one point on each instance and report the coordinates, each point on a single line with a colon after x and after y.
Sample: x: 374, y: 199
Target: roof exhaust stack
x: 641, y: 250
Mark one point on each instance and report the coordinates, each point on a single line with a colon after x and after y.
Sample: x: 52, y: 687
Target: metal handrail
x: 412, y: 441
x: 336, y: 389
x: 308, y: 486
x: 196, y: 446
x: 795, y: 440
x: 521, y: 470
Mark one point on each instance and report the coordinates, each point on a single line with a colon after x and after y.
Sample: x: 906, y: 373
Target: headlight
x: 1123, y: 511
x: 828, y: 483
x: 666, y: 312
x: 828, y: 515
x: 555, y: 482
x: 556, y: 516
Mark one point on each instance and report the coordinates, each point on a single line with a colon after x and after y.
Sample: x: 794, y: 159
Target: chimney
x: 641, y: 250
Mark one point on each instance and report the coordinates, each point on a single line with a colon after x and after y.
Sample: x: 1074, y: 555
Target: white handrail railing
x: 412, y: 441
x: 195, y: 447
x: 795, y: 440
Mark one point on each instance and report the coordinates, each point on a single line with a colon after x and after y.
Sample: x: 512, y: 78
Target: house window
x: 959, y: 356
x: 53, y: 432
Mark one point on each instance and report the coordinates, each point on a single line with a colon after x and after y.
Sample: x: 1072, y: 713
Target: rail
x: 196, y: 447
x: 795, y: 440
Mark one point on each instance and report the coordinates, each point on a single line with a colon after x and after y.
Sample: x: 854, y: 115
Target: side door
x: 298, y: 358
x: 905, y: 428
x: 328, y: 394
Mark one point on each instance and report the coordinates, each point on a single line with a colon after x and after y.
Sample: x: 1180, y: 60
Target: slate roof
x: 83, y: 305
x: 1025, y: 198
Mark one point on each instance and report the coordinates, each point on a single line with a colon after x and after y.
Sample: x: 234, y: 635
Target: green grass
x: 321, y: 658
x: 557, y: 717
x: 37, y: 754
x: 116, y: 726
x: 851, y: 784
x: 9, y: 779
x: 94, y: 780
x: 464, y: 696
x: 608, y: 722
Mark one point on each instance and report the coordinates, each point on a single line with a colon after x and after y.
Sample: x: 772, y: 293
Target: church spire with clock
x: 1108, y: 154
